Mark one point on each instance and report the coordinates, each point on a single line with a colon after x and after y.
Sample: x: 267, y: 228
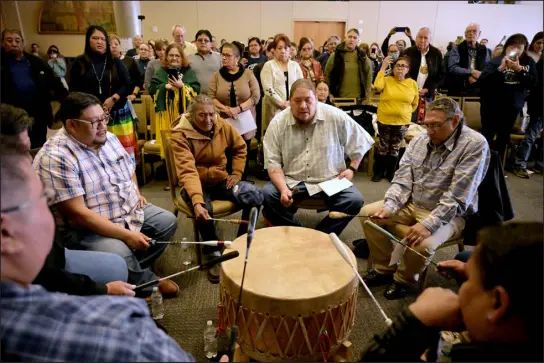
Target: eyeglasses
x: 203, y: 40
x: 433, y: 126
x: 401, y: 66
x: 49, y: 194
x: 227, y: 55
x: 105, y: 120
x: 174, y: 56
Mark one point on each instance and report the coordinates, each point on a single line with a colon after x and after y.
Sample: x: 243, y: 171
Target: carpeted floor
x: 185, y: 316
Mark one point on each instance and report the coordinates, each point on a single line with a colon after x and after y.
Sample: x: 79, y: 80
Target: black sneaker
x: 360, y: 248
x: 374, y: 279
x: 396, y: 291
x: 522, y: 173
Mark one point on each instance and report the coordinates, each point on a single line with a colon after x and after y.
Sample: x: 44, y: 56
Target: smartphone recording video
x: 400, y: 29
x: 512, y: 55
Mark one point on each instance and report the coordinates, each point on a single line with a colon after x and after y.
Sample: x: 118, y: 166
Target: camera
x: 141, y: 17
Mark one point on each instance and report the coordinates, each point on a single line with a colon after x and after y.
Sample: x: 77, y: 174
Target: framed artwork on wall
x: 75, y: 17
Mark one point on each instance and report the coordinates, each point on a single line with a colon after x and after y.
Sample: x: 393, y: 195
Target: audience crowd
x: 79, y: 188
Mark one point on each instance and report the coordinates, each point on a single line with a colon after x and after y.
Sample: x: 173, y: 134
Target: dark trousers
x: 391, y: 137
x: 207, y: 228
x: 348, y: 201
x: 498, y: 120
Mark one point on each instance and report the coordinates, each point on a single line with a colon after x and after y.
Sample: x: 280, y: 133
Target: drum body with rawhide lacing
x: 299, y: 296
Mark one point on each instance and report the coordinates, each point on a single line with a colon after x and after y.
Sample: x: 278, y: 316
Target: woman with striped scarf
x: 173, y: 87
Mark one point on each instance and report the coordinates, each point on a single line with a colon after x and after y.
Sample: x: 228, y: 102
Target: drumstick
x: 447, y: 270
x: 250, y: 233
x: 340, y: 215
x: 344, y: 253
x: 233, y: 221
x: 205, y: 243
x: 204, y: 266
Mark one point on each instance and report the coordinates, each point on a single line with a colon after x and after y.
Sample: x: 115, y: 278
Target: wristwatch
x: 352, y: 169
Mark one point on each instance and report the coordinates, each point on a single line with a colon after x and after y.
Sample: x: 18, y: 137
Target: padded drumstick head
x: 340, y: 247
x: 338, y: 215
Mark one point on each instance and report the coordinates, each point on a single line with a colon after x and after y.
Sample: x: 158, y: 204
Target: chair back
x: 141, y: 112
x: 457, y: 99
x: 471, y: 110
x: 170, y: 163
x: 150, y: 110
x: 340, y: 101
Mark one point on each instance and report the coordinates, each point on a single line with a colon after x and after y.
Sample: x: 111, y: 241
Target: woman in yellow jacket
x: 399, y: 98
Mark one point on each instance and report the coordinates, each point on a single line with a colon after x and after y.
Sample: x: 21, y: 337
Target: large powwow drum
x: 298, y: 293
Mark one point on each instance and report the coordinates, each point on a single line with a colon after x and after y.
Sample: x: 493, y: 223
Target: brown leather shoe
x: 168, y: 288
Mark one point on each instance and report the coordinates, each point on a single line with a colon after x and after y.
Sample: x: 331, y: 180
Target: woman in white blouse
x: 277, y: 76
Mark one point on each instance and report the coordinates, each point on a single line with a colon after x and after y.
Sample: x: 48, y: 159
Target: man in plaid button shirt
x: 98, y: 204
x: 37, y: 325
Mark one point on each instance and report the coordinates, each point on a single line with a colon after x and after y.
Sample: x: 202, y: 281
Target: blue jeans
x: 102, y: 267
x: 524, y: 149
x: 159, y: 224
x: 348, y: 201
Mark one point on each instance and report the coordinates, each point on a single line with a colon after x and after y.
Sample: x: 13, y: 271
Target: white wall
x: 240, y: 20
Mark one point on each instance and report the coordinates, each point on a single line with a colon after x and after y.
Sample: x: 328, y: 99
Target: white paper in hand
x: 397, y: 254
x: 244, y: 122
x: 333, y: 186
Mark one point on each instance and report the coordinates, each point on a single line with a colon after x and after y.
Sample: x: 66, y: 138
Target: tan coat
x: 201, y: 161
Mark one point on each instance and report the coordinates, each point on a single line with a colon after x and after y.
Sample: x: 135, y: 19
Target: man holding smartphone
x: 401, y: 43
x: 465, y: 64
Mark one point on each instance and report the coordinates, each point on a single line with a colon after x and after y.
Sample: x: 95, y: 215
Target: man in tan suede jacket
x: 210, y: 157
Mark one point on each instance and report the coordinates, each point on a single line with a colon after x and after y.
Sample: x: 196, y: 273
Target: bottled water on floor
x: 157, y: 308
x: 210, y: 341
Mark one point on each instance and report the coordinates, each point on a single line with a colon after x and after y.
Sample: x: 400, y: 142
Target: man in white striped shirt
x: 307, y: 144
x: 435, y: 186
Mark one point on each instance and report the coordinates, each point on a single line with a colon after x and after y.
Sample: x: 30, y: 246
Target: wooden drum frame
x: 297, y: 286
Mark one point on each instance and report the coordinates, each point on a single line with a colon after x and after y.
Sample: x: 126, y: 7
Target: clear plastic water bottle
x: 186, y: 253
x: 157, y: 308
x: 210, y: 341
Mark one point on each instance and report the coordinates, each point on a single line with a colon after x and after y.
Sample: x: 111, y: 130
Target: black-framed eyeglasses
x: 434, y: 126
x: 105, y: 120
x: 49, y: 194
x: 204, y: 40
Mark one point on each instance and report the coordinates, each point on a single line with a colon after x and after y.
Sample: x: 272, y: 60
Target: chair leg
x: 370, y: 171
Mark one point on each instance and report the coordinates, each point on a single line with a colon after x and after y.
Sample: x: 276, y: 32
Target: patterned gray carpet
x: 185, y: 316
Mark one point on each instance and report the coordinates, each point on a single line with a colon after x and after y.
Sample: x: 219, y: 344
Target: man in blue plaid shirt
x: 40, y: 326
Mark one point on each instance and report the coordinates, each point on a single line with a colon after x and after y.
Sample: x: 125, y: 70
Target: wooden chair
x: 149, y: 147
x: 452, y: 242
x: 457, y: 99
x: 471, y: 110
x: 339, y: 102
x: 221, y: 208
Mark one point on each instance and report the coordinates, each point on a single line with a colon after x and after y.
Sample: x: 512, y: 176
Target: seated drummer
x: 499, y: 306
x: 435, y: 186
x: 304, y: 145
x: 98, y: 204
x: 68, y: 271
x: 38, y: 325
x: 203, y: 146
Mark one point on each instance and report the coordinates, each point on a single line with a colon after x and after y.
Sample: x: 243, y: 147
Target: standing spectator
x: 497, y: 51
x: 57, y: 63
x: 255, y: 55
x: 214, y: 44
x: 143, y: 58
x: 311, y: 69
x: 277, y: 77
x: 98, y: 73
x: 316, y: 53
x: 132, y: 66
x: 137, y: 41
x: 173, y: 87
x: 401, y: 43
x: 536, y: 46
x: 349, y: 72
x: 399, y: 98
x: 152, y: 53
x: 27, y: 83
x: 332, y: 43
x: 394, y: 53
x: 426, y: 68
x: 484, y: 42
x: 160, y: 50
x: 322, y: 92
x: 205, y: 62
x: 465, y: 64
x: 35, y: 51
x: 178, y: 33
x: 376, y: 58
x: 234, y: 89
x: 505, y: 81
x: 293, y: 50
x: 533, y: 129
